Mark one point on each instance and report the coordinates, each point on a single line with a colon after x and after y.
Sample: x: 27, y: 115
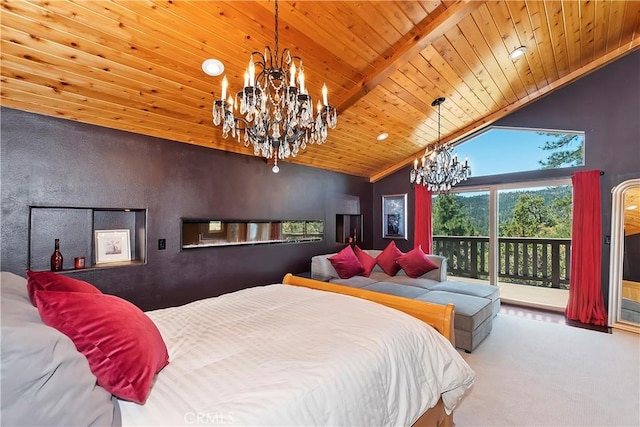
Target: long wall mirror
x: 624, y: 279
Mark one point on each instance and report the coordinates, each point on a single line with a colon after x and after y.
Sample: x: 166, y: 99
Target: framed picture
x: 112, y: 246
x: 394, y: 216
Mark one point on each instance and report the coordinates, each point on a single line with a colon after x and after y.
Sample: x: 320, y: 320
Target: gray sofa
x: 475, y: 304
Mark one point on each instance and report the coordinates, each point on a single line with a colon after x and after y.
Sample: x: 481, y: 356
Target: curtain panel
x: 423, y: 234
x: 586, y: 304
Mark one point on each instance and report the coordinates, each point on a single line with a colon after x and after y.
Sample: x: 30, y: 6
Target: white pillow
x: 45, y: 380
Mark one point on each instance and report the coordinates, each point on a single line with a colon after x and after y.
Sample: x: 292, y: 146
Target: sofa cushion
x: 470, y: 311
x: 346, y: 263
x: 387, y: 259
x: 355, y: 281
x: 368, y: 262
x: 419, y: 282
x: 415, y: 263
x: 395, y: 289
x: 474, y: 289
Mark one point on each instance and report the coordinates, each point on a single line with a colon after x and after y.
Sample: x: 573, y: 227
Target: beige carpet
x: 536, y: 373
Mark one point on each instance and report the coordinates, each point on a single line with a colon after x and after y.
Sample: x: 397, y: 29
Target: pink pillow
x: 47, y: 281
x: 415, y: 263
x: 123, y: 346
x: 367, y: 261
x: 346, y: 263
x: 387, y: 259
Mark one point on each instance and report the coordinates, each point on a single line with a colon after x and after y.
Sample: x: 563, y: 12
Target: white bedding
x: 286, y: 355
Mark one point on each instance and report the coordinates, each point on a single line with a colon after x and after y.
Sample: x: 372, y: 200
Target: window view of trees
x: 310, y: 230
x: 500, y: 150
x: 534, y: 228
x: 534, y: 224
x: 566, y: 150
x: 542, y: 213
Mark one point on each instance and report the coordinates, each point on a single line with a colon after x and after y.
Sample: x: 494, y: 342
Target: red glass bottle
x: 56, y: 258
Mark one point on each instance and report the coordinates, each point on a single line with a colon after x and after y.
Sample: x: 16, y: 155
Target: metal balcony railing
x: 522, y: 260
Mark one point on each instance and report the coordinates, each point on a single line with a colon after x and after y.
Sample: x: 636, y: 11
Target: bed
x: 294, y: 353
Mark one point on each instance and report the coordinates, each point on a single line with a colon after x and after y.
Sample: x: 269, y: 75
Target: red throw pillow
x: 123, y: 346
x: 387, y: 259
x: 368, y: 262
x: 415, y: 263
x: 47, y: 281
x: 346, y: 263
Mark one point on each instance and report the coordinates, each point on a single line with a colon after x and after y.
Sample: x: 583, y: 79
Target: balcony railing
x: 523, y: 260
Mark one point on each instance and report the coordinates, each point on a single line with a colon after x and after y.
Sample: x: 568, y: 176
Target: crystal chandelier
x: 441, y: 170
x: 278, y: 117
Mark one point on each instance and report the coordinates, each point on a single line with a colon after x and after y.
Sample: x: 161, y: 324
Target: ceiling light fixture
x: 382, y: 136
x: 212, y: 67
x: 278, y: 112
x: 632, y: 207
x: 517, y: 53
x: 441, y: 170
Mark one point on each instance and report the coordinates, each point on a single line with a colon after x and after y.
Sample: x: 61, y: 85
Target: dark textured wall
x: 605, y: 104
x: 53, y: 162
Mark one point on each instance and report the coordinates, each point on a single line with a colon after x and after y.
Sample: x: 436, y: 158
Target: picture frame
x: 112, y: 246
x: 394, y: 216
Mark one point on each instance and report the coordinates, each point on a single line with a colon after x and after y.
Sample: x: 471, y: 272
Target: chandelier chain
x: 276, y: 26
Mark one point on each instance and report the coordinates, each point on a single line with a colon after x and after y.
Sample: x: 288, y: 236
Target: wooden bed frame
x: 440, y: 317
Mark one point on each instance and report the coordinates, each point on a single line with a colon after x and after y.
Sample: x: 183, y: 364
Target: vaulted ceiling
x: 135, y: 65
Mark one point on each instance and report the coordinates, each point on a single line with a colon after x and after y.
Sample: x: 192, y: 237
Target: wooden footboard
x: 435, y: 417
x: 440, y: 317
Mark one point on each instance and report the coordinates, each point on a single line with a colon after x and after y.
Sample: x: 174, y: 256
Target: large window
x: 517, y: 233
x: 501, y: 150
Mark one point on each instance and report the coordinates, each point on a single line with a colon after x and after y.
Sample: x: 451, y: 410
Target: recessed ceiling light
x: 382, y: 136
x: 212, y: 67
x: 632, y: 207
x: 517, y: 53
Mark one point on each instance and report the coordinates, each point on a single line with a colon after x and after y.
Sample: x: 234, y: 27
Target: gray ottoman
x: 473, y: 316
x: 474, y: 289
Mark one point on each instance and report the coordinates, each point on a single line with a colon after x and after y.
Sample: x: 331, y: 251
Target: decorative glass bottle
x: 56, y: 258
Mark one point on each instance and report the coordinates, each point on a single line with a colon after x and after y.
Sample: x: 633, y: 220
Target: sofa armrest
x: 321, y: 268
x: 441, y: 273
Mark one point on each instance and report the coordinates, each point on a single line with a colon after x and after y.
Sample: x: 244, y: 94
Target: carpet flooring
x: 536, y: 372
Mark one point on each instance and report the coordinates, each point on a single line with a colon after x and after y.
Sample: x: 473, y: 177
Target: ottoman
x: 473, y: 316
x: 474, y: 289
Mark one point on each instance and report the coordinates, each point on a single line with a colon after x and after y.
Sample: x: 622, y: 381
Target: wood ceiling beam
x: 492, y: 118
x: 426, y: 32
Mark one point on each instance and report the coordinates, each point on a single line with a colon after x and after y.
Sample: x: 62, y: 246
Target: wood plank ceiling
x: 135, y: 65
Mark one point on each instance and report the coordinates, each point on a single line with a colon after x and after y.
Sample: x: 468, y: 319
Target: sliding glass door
x: 515, y: 236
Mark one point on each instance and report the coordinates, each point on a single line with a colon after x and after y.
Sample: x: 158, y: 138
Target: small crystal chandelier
x: 278, y: 112
x: 441, y: 170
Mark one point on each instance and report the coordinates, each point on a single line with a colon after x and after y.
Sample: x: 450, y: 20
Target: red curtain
x: 423, y: 234
x: 585, y: 293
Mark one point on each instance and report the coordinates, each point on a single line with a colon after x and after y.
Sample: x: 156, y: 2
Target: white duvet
x: 285, y: 355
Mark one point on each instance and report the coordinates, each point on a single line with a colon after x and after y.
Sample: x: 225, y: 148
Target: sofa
x: 475, y: 304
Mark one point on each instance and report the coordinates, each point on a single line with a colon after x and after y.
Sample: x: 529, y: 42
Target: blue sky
x: 503, y: 151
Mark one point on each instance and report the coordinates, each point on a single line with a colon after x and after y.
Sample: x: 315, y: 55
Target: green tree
x: 561, y: 208
x: 450, y: 217
x: 563, y: 154
x: 531, y: 218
